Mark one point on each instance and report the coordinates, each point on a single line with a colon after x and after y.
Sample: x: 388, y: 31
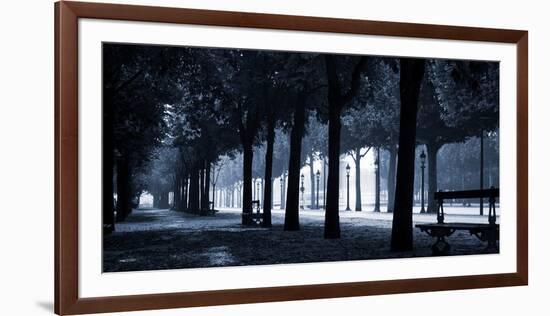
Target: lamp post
x: 284, y: 176
x: 253, y: 191
x: 302, y: 189
x: 324, y: 184
x: 377, y: 182
x: 318, y: 174
x: 258, y: 190
x: 484, y: 121
x: 239, y: 194
x: 347, y: 176
x: 282, y: 188
x: 422, y: 166
x: 481, y: 171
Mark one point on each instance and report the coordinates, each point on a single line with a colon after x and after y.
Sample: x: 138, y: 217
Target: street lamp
x: 377, y: 182
x: 302, y: 189
x: 324, y: 184
x: 239, y: 194
x: 258, y: 190
x: 481, y: 169
x: 422, y: 166
x: 484, y: 121
x: 253, y: 191
x: 318, y: 174
x: 347, y: 175
x: 282, y: 188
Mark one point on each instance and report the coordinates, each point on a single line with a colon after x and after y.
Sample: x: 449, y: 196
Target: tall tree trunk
x: 324, y: 182
x: 202, y: 187
x: 292, y: 220
x: 268, y: 188
x: 194, y: 191
x: 391, y: 177
x: 177, y: 191
x: 283, y: 177
x: 412, y: 72
x: 214, y: 200
x: 206, y: 193
x: 262, y: 192
x: 164, y: 200
x: 332, y: 216
x: 124, y: 195
x: 208, y: 173
x: 180, y: 192
x: 156, y: 199
x: 108, y: 202
x: 230, y: 191
x: 248, y: 155
x: 336, y: 102
x: 432, y: 149
x: 312, y: 181
x: 481, y: 171
x: 200, y: 173
x: 240, y: 192
x: 184, y: 194
x: 377, y: 182
x: 357, y: 161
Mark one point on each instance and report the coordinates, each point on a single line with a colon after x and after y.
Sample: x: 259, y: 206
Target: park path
x: 153, y: 239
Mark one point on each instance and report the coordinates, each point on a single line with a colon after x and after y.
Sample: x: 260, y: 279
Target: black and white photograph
x: 218, y: 157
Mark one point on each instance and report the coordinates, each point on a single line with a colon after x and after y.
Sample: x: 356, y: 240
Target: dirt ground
x: 156, y: 239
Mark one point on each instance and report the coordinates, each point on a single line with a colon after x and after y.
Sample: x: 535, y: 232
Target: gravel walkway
x: 163, y: 239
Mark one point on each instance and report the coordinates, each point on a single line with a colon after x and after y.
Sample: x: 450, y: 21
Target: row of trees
x: 189, y: 112
x: 458, y: 166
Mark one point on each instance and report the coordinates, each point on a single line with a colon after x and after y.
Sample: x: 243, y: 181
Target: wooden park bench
x: 485, y: 232
x: 256, y: 217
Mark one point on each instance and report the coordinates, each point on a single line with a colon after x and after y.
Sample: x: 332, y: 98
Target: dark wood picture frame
x: 67, y: 300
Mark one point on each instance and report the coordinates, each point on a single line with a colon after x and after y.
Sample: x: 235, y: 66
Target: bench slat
x: 459, y: 226
x: 467, y: 194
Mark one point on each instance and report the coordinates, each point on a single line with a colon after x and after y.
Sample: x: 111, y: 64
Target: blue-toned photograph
x: 215, y: 157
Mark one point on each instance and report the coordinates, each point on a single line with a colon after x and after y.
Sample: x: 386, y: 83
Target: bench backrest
x: 467, y: 194
x: 491, y: 193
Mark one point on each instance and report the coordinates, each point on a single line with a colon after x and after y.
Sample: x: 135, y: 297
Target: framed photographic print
x: 212, y: 157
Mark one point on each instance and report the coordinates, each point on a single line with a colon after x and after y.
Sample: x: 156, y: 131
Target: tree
x: 313, y: 144
x: 230, y: 177
x: 137, y: 86
x: 292, y: 221
x: 372, y: 120
x: 301, y: 80
x: 276, y: 113
x: 206, y: 131
x: 458, y: 99
x: 216, y: 169
x: 337, y: 99
x: 377, y: 180
x: 384, y: 97
x: 411, y: 74
x: 158, y: 179
x: 357, y: 141
x: 242, y: 79
x: 280, y: 160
